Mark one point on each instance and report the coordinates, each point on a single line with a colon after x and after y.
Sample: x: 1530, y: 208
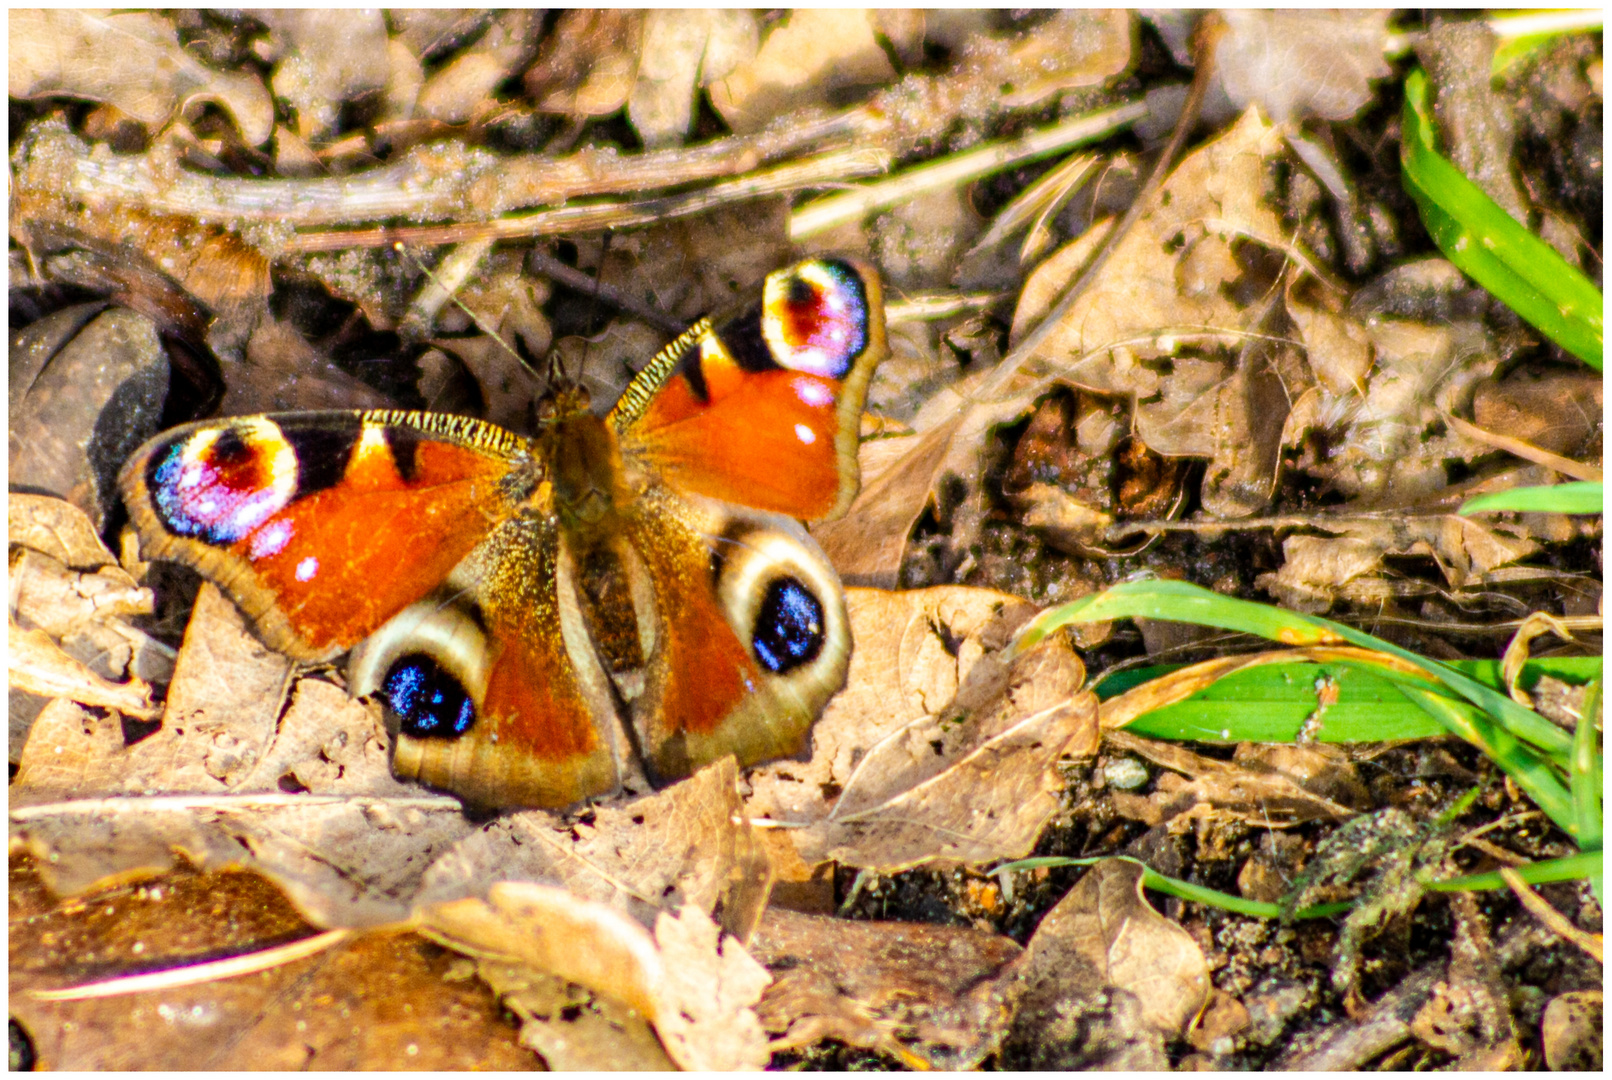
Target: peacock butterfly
x: 542, y: 617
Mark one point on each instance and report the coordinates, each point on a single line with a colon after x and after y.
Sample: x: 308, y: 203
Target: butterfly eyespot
x: 427, y: 700
x: 219, y: 485
x: 789, y: 630
x: 815, y: 318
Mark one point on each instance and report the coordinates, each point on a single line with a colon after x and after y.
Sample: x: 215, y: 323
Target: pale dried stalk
x: 155, y: 803
x: 1555, y: 920
x: 779, y: 180
x: 195, y: 974
x: 959, y: 169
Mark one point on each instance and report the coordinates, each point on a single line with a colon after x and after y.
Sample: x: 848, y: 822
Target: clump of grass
x: 1560, y: 772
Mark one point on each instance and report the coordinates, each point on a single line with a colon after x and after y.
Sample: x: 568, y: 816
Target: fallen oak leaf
x: 1103, y: 933
x: 132, y: 60
x: 37, y: 665
x: 696, y: 987
x: 687, y: 845
x: 933, y: 997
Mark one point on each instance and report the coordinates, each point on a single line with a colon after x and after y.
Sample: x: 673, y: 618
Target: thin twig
x: 591, y: 217
x: 266, y: 800
x: 194, y: 974
x: 961, y: 168
x: 1555, y: 920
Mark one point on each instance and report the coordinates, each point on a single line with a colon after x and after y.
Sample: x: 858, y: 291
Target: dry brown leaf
x: 1277, y: 789
x: 36, y: 665
x: 344, y: 861
x: 684, y: 49
x: 55, y: 528
x: 588, y: 63
x: 381, y: 1000
x: 695, y: 986
x: 937, y: 750
x: 1070, y: 49
x: 327, y: 744
x: 1104, y: 934
x: 463, y: 88
x: 930, y: 996
x: 1570, y: 1031
x: 46, y: 595
x: 1172, y: 280
x: 1337, y: 347
x: 66, y: 747
x: 812, y: 53
x: 1301, y: 64
x: 684, y: 846
x: 326, y: 56
x: 222, y: 710
x: 283, y: 372
x: 1389, y: 454
x: 572, y: 1028
x: 1318, y: 570
x: 132, y: 60
x: 899, y: 474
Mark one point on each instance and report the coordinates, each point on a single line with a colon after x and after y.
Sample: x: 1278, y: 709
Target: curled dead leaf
x: 684, y: 846
x: 130, y: 59
x: 1103, y: 933
x: 696, y: 987
x: 932, y: 997
x: 938, y: 749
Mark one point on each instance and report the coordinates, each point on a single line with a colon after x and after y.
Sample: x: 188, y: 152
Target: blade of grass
x: 1186, y: 890
x: 1490, y: 246
x: 1181, y: 601
x: 1531, y: 774
x: 1271, y: 703
x: 1585, y: 864
x: 1573, y: 497
x: 1569, y: 868
x: 1585, y: 775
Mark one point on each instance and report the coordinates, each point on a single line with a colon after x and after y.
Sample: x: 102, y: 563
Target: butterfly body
x: 548, y: 617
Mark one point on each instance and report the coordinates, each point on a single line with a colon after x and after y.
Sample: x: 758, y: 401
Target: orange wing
x: 321, y: 526
x: 763, y: 410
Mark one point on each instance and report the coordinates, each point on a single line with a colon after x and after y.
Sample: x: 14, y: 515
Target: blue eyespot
x: 429, y: 703
x: 789, y: 629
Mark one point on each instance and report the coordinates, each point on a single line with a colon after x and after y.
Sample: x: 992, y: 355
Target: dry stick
x: 812, y: 172
x: 1525, y: 450
x: 957, y: 169
x: 1555, y: 920
x: 194, y: 974
x: 439, y: 181
x: 122, y: 804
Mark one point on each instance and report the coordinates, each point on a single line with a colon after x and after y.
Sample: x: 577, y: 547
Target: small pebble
x: 1126, y: 774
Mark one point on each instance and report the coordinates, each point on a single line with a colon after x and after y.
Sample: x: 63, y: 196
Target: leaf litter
x: 1234, y: 333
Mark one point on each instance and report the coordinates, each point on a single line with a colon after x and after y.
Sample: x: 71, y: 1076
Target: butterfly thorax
x: 586, y: 472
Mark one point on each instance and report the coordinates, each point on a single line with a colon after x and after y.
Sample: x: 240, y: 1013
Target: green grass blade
x: 1181, y: 601
x: 1569, y: 868
x: 1586, y: 864
x: 1490, y: 246
x: 1271, y: 702
x: 1534, y: 776
x: 1574, y: 497
x: 1585, y: 774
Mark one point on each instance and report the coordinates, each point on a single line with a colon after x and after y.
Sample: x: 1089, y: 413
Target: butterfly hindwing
x: 752, y: 638
x: 493, y: 685
x: 321, y: 526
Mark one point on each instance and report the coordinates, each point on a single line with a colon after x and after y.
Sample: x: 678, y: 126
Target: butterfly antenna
x: 443, y: 289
